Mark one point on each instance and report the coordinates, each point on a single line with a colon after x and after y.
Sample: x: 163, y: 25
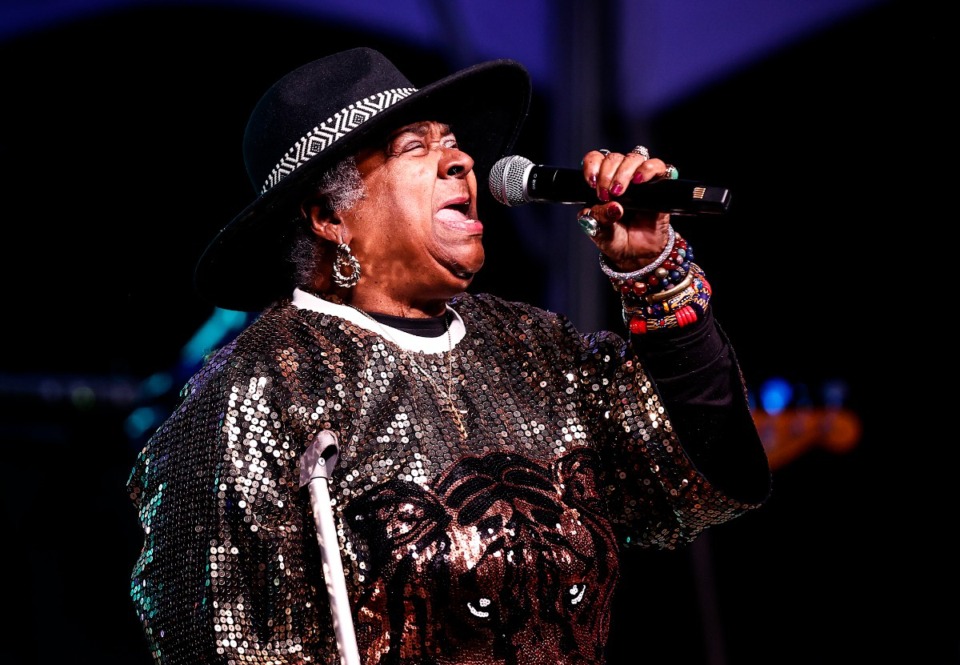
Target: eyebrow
x: 421, y: 129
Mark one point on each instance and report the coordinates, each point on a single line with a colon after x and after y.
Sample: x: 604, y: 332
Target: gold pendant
x: 455, y: 413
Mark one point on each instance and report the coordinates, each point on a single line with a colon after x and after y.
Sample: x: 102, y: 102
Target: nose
x: 455, y: 163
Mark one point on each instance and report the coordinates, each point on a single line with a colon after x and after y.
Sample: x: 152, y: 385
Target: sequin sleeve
x: 656, y: 496
x: 225, y: 574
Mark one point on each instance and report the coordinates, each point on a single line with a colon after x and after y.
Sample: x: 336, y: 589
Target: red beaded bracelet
x: 676, y: 308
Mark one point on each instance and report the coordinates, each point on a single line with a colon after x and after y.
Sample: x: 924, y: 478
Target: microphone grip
x: 678, y: 197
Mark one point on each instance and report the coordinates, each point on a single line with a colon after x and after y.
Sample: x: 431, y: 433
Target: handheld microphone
x: 515, y: 180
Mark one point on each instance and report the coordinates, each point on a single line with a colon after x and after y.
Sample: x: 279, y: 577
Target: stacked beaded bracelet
x: 675, y: 308
x: 671, y: 292
x: 666, y: 272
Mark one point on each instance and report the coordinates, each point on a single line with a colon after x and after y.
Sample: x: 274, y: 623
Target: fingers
x: 611, y: 173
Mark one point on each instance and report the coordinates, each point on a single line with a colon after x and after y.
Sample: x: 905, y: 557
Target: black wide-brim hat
x: 323, y: 112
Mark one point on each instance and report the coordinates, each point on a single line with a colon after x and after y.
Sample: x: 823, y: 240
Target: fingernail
x: 593, y: 181
x: 617, y: 189
x: 604, y: 194
x: 637, y: 178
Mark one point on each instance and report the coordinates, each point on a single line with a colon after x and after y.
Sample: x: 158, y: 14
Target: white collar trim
x: 404, y: 340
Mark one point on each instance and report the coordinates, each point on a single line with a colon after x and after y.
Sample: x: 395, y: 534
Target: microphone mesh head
x: 508, y: 180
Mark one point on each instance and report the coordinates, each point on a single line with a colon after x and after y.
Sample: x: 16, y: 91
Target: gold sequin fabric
x: 501, y: 548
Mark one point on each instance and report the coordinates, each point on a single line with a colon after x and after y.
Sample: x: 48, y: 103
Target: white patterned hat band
x: 333, y: 129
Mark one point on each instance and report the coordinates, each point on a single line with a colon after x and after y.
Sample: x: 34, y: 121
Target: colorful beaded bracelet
x: 662, y: 276
x: 676, y: 308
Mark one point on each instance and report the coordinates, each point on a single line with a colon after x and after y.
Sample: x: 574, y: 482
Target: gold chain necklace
x: 450, y: 408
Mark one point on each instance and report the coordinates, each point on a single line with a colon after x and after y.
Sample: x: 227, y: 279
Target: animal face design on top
x: 506, y: 560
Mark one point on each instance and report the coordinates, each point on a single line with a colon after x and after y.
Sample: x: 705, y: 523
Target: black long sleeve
x: 698, y: 377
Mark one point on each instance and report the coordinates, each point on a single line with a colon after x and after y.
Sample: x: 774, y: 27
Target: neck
x: 383, y: 305
x: 422, y: 303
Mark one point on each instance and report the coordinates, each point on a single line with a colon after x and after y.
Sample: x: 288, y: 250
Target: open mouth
x: 457, y: 214
x: 462, y: 208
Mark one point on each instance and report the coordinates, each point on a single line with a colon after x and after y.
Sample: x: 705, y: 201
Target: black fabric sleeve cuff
x: 698, y: 378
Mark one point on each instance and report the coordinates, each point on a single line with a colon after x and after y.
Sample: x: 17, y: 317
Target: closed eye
x: 576, y: 592
x: 477, y: 610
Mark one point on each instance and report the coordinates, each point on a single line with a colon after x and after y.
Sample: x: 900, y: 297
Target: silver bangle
x: 645, y: 270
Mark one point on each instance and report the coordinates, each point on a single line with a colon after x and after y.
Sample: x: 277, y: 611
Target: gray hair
x: 339, y: 188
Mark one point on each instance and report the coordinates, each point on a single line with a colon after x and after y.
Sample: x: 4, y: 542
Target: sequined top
x: 497, y: 548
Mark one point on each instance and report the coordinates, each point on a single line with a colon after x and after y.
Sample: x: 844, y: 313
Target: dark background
x: 120, y: 157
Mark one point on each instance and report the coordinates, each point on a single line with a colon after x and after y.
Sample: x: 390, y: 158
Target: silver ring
x: 642, y: 151
x: 671, y: 173
x: 603, y: 151
x: 589, y: 224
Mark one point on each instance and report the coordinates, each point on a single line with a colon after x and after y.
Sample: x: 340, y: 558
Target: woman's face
x: 416, y: 232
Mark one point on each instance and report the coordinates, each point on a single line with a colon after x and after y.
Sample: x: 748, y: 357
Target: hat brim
x: 245, y: 266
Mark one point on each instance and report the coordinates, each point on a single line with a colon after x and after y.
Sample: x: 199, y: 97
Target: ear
x: 325, y: 222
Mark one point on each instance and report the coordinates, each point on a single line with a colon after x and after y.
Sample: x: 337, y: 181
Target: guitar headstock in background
x: 794, y: 417
x: 789, y: 433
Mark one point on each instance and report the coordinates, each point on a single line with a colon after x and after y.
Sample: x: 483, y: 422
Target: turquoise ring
x: 589, y: 224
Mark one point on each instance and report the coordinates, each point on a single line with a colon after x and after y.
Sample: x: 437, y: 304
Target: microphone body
x: 515, y: 180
